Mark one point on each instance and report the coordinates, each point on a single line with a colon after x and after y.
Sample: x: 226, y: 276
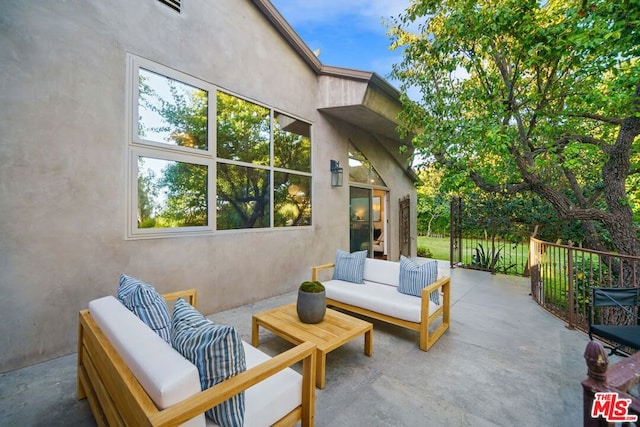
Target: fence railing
x: 491, y: 254
x: 562, y: 277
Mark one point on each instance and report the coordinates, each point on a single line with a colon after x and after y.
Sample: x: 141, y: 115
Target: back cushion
x: 349, y: 266
x: 381, y: 271
x: 217, y: 352
x: 165, y: 375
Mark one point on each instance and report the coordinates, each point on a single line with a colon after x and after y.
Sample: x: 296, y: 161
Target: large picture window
x: 195, y: 148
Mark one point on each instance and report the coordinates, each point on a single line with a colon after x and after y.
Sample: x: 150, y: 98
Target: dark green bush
x: 424, y: 252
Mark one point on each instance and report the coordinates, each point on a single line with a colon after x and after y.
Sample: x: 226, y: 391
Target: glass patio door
x: 368, y: 221
x: 361, y: 229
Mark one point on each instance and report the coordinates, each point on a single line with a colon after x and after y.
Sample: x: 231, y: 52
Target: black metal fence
x: 482, y: 241
x: 562, y: 277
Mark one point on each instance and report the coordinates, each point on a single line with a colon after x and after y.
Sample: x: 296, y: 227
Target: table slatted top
x: 335, y: 329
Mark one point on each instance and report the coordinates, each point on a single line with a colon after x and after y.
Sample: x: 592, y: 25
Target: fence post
x: 601, y: 377
x: 597, y: 364
x: 572, y: 308
x: 534, y: 268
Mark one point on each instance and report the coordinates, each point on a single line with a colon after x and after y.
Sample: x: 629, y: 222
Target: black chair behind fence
x: 613, y: 317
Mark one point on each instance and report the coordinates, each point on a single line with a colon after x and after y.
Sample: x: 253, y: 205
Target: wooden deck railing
x: 562, y: 277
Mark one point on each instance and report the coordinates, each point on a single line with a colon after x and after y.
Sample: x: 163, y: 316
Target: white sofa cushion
x: 166, y: 376
x: 271, y: 399
x: 381, y: 271
x: 377, y: 297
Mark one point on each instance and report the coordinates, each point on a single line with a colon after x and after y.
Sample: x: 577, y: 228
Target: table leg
x: 368, y: 342
x: 255, y: 337
x: 321, y: 364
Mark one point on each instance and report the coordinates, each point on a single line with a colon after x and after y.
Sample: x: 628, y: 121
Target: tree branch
x: 562, y: 142
x: 598, y: 117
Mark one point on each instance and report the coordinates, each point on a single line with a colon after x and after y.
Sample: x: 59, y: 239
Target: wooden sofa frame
x: 427, y: 338
x: 116, y: 398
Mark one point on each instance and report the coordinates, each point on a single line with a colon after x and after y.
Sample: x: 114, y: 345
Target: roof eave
x: 287, y: 31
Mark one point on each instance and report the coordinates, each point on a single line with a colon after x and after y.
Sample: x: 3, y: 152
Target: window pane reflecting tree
x: 172, y: 112
x: 291, y: 143
x: 171, y: 194
x: 242, y: 197
x: 292, y: 200
x: 243, y: 130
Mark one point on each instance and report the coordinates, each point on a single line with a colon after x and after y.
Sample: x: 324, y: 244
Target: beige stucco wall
x: 63, y: 163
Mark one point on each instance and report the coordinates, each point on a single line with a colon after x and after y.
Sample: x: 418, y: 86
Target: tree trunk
x: 614, y: 174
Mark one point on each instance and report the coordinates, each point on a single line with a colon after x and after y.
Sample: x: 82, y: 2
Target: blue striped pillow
x: 142, y: 299
x: 414, y: 277
x: 217, y: 352
x: 349, y: 266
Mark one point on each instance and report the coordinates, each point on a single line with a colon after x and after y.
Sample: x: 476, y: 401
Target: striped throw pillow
x: 142, y: 299
x: 217, y: 352
x: 349, y: 266
x: 414, y: 277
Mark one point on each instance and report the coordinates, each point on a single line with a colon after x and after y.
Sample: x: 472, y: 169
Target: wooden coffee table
x: 335, y: 329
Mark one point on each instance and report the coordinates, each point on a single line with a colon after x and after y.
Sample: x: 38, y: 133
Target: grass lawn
x: 439, y: 246
x: 513, y: 257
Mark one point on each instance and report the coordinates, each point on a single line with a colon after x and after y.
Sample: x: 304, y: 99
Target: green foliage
x: 485, y: 261
x: 586, y: 274
x: 490, y: 259
x: 187, y: 194
x: 519, y: 97
x: 424, y: 252
x: 312, y: 287
x: 432, y: 204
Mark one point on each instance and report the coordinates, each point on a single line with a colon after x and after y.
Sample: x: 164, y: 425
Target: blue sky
x: 349, y: 33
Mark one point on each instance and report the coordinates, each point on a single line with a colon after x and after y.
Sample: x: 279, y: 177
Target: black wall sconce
x: 336, y: 174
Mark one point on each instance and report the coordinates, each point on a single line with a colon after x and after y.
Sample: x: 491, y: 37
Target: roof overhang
x: 361, y: 98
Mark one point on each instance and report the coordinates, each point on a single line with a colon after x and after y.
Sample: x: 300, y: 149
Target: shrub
x: 424, y: 252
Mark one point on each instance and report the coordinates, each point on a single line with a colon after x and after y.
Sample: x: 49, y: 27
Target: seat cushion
x: 414, y: 277
x: 383, y: 299
x: 217, y: 352
x: 349, y: 266
x: 143, y: 300
x: 626, y: 335
x: 166, y: 376
x: 271, y: 399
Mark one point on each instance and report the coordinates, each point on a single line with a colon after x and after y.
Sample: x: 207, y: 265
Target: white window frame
x: 139, y: 147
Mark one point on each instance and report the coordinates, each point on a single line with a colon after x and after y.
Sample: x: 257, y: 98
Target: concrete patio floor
x: 504, y: 362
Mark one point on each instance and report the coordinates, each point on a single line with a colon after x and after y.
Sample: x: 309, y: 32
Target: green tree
x: 433, y: 204
x: 147, y: 192
x: 533, y: 96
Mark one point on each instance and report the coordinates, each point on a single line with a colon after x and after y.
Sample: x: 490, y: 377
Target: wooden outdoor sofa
x: 378, y: 298
x: 117, y: 397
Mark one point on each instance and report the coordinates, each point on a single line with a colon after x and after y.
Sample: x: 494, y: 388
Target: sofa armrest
x: 199, y: 403
x: 314, y: 270
x: 428, y: 337
x: 191, y: 295
x: 443, y: 283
